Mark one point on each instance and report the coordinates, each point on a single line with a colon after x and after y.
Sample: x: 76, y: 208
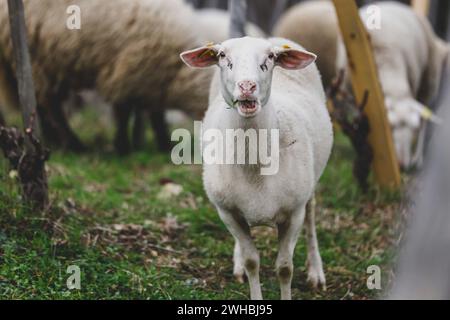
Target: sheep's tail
x: 8, y: 86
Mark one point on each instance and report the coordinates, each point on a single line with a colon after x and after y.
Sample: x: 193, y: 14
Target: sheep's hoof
x: 240, y: 278
x: 316, y: 279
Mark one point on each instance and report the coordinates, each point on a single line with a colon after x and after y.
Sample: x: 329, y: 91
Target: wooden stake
x: 238, y: 16
x: 24, y: 150
x: 421, y: 6
x: 364, y: 76
x: 27, y: 97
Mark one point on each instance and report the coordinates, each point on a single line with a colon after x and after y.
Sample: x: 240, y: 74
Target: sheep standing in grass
x: 410, y: 59
x: 314, y: 24
x: 126, y: 50
x: 248, y: 92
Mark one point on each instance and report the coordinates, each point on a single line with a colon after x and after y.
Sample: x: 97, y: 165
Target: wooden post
x: 278, y: 9
x: 238, y: 16
x: 27, y: 97
x: 421, y: 6
x: 364, y: 76
x: 24, y: 151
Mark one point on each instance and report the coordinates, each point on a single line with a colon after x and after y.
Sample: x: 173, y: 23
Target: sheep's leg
x: 138, y: 129
x: 161, y: 130
x: 49, y: 127
x: 69, y: 138
x: 122, y: 115
x: 55, y: 129
x: 238, y: 269
x: 240, y: 230
x: 2, y: 119
x: 316, y: 276
x: 288, y: 233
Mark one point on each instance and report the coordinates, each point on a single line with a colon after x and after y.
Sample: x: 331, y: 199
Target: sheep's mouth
x: 248, y: 108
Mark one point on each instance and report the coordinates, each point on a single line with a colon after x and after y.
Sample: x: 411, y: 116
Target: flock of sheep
x: 128, y: 52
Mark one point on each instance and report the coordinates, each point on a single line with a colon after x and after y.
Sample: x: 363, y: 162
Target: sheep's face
x: 405, y: 120
x: 246, y: 68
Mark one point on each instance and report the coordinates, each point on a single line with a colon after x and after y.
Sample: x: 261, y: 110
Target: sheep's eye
x: 264, y: 67
x: 271, y: 56
x: 230, y: 65
x: 222, y: 55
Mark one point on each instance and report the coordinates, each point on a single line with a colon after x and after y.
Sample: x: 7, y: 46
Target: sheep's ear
x: 201, y: 57
x: 293, y: 59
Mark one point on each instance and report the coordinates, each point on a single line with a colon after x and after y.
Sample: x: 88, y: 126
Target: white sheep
x: 409, y: 58
x: 314, y: 24
x: 248, y: 92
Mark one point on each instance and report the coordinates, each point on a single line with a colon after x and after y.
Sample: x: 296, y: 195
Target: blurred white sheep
x: 410, y: 59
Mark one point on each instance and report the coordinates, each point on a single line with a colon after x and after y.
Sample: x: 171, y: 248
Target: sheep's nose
x: 247, y: 87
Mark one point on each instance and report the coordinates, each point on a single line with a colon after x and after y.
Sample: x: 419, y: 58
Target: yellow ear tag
x: 426, y: 113
x: 285, y: 46
x: 209, y: 52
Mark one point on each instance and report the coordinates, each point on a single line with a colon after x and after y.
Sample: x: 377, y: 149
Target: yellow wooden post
x: 421, y: 6
x: 364, y: 76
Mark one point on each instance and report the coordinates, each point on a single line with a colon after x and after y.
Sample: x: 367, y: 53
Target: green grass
x: 106, y: 217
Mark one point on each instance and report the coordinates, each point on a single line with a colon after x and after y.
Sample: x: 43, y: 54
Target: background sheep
x: 293, y: 103
x: 409, y: 71
x: 112, y: 67
x: 214, y: 25
x: 115, y: 52
x: 313, y: 24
